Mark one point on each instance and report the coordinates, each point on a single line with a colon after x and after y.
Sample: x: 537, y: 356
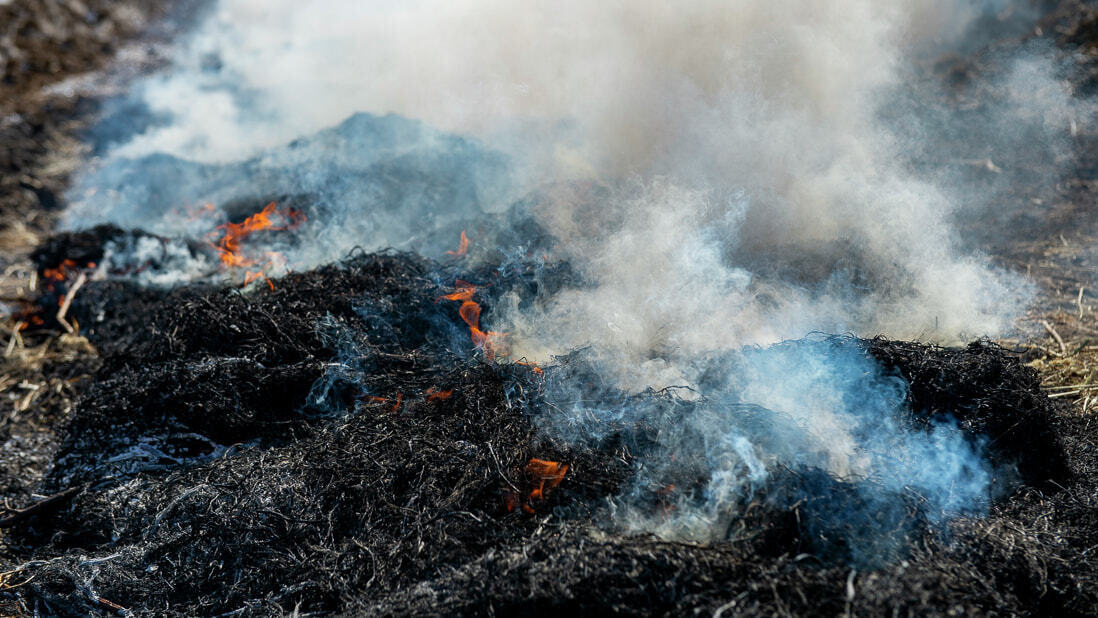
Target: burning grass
x: 332, y: 445
x: 351, y: 441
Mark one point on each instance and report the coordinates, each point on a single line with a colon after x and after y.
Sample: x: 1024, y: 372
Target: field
x: 348, y: 440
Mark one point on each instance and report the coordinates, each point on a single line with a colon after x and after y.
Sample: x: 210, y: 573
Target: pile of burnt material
x: 336, y: 443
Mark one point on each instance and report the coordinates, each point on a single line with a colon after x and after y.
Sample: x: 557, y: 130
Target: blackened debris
x: 989, y: 393
x: 265, y: 451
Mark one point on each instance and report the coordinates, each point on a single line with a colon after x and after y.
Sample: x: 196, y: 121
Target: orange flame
x: 465, y: 291
x: 549, y: 473
x: 252, y: 275
x: 62, y: 271
x: 533, y: 366
x: 488, y: 341
x: 485, y: 340
x: 230, y: 245
x: 463, y: 246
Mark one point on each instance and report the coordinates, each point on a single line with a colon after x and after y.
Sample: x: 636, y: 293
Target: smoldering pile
x: 573, y: 419
x: 337, y: 444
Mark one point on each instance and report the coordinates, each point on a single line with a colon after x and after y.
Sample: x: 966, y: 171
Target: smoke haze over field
x: 718, y: 174
x: 753, y: 182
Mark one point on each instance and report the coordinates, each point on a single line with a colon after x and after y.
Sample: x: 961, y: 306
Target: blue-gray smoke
x: 714, y: 177
x: 814, y: 424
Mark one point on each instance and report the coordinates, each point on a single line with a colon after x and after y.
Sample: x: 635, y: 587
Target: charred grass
x: 230, y: 455
x: 195, y: 469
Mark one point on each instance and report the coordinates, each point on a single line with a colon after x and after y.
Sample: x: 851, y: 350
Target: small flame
x: 463, y: 246
x: 533, y: 367
x: 253, y: 275
x: 548, y: 473
x: 465, y: 291
x: 62, y: 271
x: 230, y: 245
x: 487, y: 341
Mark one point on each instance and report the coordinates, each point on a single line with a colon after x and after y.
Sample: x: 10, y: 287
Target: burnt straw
x: 270, y: 451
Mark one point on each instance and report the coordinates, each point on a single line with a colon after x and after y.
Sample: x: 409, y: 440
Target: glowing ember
x: 399, y: 401
x: 55, y: 278
x: 549, y: 474
x: 230, y: 245
x: 465, y: 291
x: 463, y: 246
x: 511, y: 500
x: 62, y: 271
x: 57, y: 282
x: 533, y: 367
x: 433, y: 394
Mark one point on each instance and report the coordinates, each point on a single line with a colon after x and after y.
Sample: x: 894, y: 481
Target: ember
x: 61, y: 272
x: 533, y: 367
x: 58, y: 283
x: 463, y: 246
x: 465, y: 291
x: 434, y: 394
x: 547, y: 474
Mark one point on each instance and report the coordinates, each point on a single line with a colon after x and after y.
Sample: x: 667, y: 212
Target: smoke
x: 752, y: 134
x: 815, y: 418
x: 717, y: 175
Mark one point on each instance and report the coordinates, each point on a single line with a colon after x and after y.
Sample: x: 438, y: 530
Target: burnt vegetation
x: 336, y: 445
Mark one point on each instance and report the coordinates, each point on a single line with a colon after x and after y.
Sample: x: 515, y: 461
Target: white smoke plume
x: 743, y: 142
x: 719, y: 174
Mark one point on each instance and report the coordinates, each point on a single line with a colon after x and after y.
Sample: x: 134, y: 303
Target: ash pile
x: 341, y: 441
